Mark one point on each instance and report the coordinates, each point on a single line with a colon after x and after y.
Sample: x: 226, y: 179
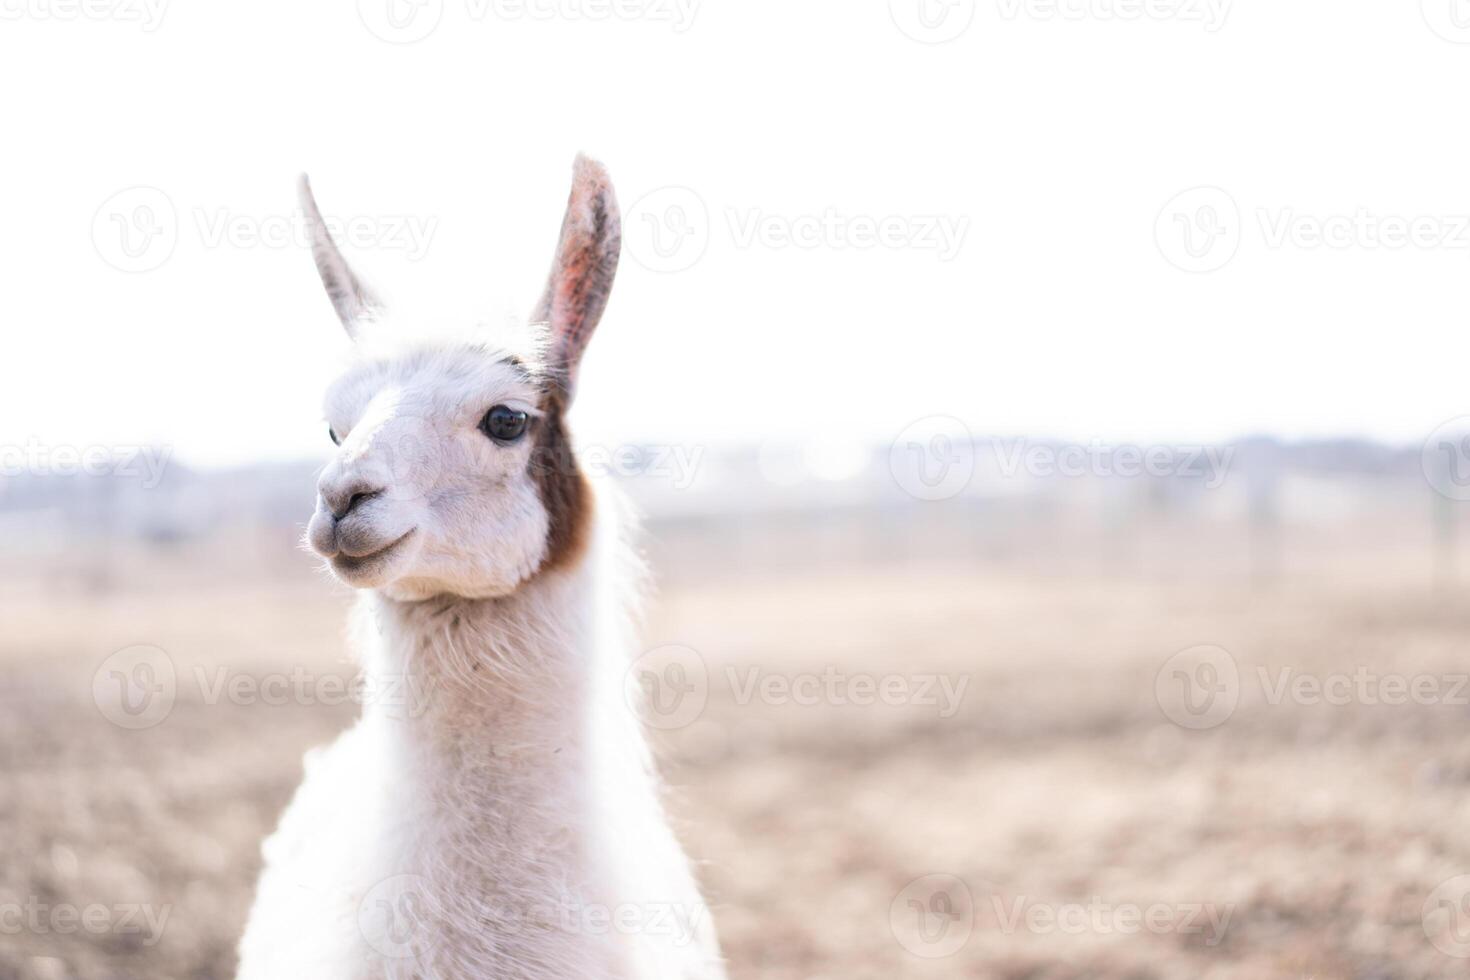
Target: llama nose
x: 342, y: 500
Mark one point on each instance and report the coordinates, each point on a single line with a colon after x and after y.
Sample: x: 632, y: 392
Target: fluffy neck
x: 511, y: 763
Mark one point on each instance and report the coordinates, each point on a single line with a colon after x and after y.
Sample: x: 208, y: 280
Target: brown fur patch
x: 564, y: 490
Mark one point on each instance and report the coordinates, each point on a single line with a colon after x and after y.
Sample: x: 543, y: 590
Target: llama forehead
x: 431, y: 381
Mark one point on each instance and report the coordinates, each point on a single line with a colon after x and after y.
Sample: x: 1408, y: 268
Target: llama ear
x: 353, y: 301
x: 582, y: 274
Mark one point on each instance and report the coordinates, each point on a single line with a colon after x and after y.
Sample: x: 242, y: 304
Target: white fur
x: 494, y: 812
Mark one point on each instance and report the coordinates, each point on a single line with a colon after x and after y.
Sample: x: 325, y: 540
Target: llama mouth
x: 354, y: 565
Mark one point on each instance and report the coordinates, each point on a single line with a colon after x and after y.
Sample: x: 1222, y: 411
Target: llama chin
x: 495, y: 823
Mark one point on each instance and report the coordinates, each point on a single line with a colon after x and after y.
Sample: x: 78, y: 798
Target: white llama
x: 494, y: 812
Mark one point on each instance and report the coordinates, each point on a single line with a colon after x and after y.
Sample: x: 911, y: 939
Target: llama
x: 494, y: 812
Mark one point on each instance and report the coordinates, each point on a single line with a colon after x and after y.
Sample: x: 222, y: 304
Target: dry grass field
x: 1093, y: 837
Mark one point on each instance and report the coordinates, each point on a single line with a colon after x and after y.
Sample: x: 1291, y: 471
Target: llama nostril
x: 342, y: 504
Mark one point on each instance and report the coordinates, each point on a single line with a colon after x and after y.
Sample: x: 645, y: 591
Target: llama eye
x: 504, y: 424
x: 336, y: 439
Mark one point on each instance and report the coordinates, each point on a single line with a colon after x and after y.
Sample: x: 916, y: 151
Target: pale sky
x: 990, y: 228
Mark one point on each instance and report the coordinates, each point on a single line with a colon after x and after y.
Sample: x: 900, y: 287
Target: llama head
x: 454, y: 472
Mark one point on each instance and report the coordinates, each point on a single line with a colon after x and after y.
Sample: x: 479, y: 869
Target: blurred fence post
x: 1263, y: 482
x: 1443, y: 517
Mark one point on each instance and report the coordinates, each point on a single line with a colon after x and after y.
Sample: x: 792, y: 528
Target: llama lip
x: 349, y: 563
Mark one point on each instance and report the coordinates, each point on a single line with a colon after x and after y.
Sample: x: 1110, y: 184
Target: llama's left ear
x: 582, y: 275
x: 353, y: 301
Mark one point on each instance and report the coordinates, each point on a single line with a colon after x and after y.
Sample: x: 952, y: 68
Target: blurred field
x: 1322, y: 829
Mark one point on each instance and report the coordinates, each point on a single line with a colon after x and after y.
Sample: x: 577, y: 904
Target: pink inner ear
x: 587, y: 262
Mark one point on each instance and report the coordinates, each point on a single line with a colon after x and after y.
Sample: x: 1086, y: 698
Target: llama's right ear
x: 583, y: 271
x: 353, y: 301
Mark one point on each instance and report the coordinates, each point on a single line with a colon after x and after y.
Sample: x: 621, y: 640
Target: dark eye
x: 504, y: 424
x: 336, y: 439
